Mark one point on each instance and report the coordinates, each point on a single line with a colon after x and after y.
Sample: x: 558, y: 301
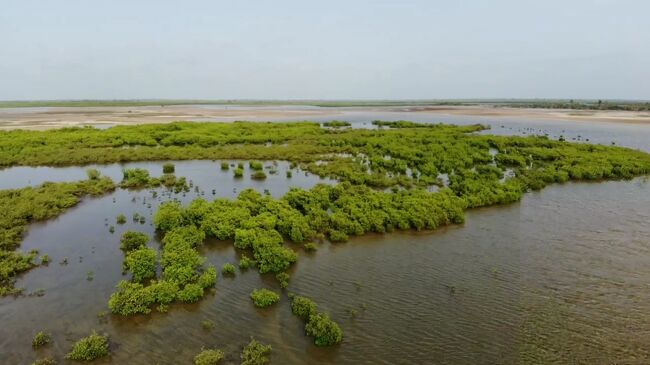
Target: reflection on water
x: 560, y: 277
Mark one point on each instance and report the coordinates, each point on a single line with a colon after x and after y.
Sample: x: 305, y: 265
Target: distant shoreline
x: 57, y: 117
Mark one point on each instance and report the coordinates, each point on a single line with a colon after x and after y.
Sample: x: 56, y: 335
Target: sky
x: 353, y: 49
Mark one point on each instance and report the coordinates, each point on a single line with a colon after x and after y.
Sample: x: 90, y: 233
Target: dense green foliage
x: 132, y: 240
x: 208, y: 357
x: 303, y: 307
x: 255, y: 353
x: 168, y: 168
x: 137, y: 178
x: 324, y: 331
x: 264, y: 298
x: 41, y: 339
x: 19, y: 207
x: 228, y: 269
x: 89, y: 348
x: 318, y: 325
x: 141, y: 263
x: 184, y: 278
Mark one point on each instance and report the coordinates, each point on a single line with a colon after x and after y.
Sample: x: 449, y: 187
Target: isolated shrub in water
x: 324, y: 331
x: 239, y: 172
x: 283, y: 279
x: 89, y: 348
x: 225, y: 166
x: 264, y: 297
x: 303, y: 307
x: 168, y: 168
x: 132, y: 240
x: 41, y: 339
x: 93, y: 174
x: 258, y: 175
x: 121, y: 219
x: 208, y: 357
x: 141, y: 263
x: 255, y: 353
x: 228, y: 269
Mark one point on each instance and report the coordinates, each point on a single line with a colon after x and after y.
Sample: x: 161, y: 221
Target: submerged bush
x: 121, y: 219
x: 256, y: 165
x: 258, y: 175
x: 168, y: 168
x: 208, y: 357
x: 325, y: 331
x: 255, y: 353
x: 228, y: 269
x: 41, y: 339
x: 283, y: 279
x: 93, y: 174
x: 238, y: 172
x: 89, y: 348
x: 132, y: 240
x: 303, y: 307
x: 225, y: 166
x: 264, y: 298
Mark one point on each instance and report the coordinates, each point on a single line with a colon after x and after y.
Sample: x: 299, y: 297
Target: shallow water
x: 561, y: 276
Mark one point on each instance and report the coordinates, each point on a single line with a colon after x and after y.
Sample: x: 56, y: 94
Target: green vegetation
x: 141, y: 263
x: 93, y: 174
x: 168, y: 168
x: 256, y: 165
x: 121, y: 219
x: 137, y: 178
x: 255, y: 353
x: 208, y: 357
x: 582, y: 105
x: 264, y: 298
x: 318, y: 325
x: 239, y: 172
x: 183, y: 276
x: 246, y: 262
x: 20, y: 207
x: 258, y: 175
x: 41, y: 339
x: 283, y: 279
x: 324, y: 331
x: 336, y: 124
x: 303, y: 307
x: 132, y: 240
x: 225, y: 166
x: 228, y: 269
x: 89, y: 348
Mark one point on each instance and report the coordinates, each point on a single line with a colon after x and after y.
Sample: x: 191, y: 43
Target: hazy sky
x: 81, y: 49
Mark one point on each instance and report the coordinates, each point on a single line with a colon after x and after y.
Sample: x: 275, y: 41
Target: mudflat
x: 57, y: 117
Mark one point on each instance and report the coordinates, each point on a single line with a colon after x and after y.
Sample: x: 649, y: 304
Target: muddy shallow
x: 561, y: 276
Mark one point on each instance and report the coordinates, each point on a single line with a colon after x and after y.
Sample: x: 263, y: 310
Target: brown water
x: 563, y: 276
